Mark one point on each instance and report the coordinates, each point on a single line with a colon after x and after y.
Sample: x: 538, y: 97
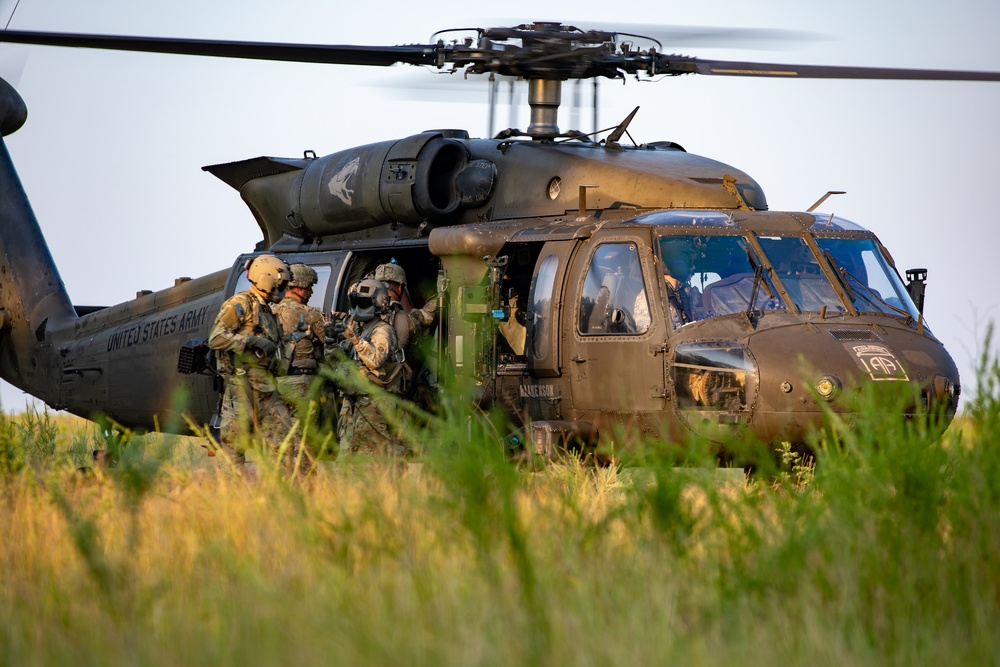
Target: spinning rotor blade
x: 306, y: 53
x: 737, y: 68
x: 709, y: 36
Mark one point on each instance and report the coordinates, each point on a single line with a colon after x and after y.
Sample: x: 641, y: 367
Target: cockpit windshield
x: 708, y: 276
x: 712, y: 275
x: 874, y: 286
x: 800, y: 274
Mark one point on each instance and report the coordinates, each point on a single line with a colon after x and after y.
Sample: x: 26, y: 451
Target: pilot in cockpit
x: 682, y: 299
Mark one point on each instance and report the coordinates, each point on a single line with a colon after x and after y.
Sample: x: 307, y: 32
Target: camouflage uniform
x: 409, y: 324
x: 363, y: 428
x: 303, y: 328
x: 250, y: 403
x: 300, y: 384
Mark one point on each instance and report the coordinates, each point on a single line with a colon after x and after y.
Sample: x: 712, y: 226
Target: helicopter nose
x: 830, y: 364
x: 944, y: 391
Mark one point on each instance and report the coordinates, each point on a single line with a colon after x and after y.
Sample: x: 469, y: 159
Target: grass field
x: 885, y: 552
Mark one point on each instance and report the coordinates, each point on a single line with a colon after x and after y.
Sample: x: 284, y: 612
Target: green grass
x: 885, y: 552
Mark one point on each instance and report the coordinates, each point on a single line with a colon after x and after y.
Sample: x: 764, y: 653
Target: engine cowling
x: 424, y: 177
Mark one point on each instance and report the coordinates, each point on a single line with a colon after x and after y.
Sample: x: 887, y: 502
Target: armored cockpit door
x: 615, y: 331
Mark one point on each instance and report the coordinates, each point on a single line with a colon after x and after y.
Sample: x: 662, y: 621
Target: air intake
x: 854, y: 334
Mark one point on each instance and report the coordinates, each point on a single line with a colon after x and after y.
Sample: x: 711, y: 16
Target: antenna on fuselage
x: 824, y: 198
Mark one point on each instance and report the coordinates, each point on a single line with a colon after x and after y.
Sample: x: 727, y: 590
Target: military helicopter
x: 594, y: 288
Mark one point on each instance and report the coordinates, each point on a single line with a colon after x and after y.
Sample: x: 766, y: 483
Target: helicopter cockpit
x: 715, y: 265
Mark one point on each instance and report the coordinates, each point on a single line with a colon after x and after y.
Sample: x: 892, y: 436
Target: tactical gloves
x: 350, y: 332
x: 263, y: 347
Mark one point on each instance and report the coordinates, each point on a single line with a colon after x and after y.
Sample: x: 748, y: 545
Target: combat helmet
x: 368, y: 298
x: 270, y: 275
x: 303, y: 275
x: 390, y: 272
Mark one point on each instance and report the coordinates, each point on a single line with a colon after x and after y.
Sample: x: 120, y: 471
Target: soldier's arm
x: 225, y: 334
x: 375, y: 353
x: 421, y: 318
x: 285, y: 318
x: 317, y: 326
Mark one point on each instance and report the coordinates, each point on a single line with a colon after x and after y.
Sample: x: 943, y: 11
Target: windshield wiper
x: 878, y: 297
x: 758, y: 281
x: 844, y: 274
x: 839, y: 272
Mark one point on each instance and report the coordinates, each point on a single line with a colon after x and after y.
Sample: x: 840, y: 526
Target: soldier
x: 408, y: 321
x: 680, y: 304
x: 303, y: 328
x: 372, y: 345
x: 304, y: 334
x: 247, y: 338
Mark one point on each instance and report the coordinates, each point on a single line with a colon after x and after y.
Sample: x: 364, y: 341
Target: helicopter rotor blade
x: 548, y: 51
x: 738, y: 68
x: 379, y: 56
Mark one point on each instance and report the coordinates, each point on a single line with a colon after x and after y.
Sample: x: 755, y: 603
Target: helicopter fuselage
x: 594, y: 292
x: 597, y: 292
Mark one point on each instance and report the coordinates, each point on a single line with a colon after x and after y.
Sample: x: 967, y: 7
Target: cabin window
x: 542, y: 308
x: 318, y: 297
x: 613, y: 299
x: 710, y: 276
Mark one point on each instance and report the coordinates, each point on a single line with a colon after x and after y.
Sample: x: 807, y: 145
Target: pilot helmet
x: 270, y: 275
x: 368, y: 298
x: 390, y: 272
x: 302, y: 275
x: 677, y: 260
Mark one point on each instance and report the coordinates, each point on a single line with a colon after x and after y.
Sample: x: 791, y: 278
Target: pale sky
x: 112, y: 151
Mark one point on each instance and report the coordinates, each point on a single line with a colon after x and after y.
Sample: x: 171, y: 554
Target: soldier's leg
x: 298, y: 459
x: 234, y: 426
x: 275, y: 427
x: 345, y: 426
x: 372, y: 435
x: 387, y: 410
x: 307, y: 390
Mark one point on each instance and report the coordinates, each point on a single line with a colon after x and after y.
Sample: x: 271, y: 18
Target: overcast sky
x: 112, y: 152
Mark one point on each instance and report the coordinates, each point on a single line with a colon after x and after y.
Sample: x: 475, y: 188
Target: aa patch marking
x: 880, y: 363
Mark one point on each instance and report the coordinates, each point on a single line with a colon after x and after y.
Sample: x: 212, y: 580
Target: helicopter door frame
x: 602, y: 362
x: 544, y: 312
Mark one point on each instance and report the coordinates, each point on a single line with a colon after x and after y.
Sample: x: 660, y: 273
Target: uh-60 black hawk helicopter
x: 596, y: 289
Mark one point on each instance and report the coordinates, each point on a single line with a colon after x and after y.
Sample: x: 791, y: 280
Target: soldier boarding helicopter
x: 594, y: 289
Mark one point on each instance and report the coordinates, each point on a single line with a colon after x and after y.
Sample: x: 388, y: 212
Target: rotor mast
x: 544, y: 97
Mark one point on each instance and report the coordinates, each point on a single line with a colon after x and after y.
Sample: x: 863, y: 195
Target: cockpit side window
x: 613, y: 300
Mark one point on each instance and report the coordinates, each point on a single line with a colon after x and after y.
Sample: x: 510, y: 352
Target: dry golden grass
x: 884, y: 553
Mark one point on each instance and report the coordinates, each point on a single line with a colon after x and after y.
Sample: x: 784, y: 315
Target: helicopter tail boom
x: 33, y: 299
